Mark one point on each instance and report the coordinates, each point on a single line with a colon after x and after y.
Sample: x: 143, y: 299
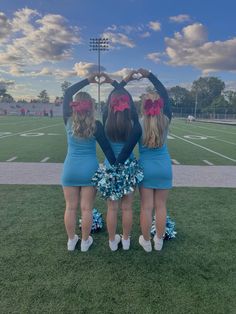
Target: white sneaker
x: 71, y: 244
x: 158, y: 243
x: 114, y: 244
x: 125, y: 243
x: 147, y: 246
x: 85, y: 244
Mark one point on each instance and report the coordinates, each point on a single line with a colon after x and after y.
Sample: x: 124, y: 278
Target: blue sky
x: 43, y: 43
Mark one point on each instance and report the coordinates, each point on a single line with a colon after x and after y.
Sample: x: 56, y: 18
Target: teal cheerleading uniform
x: 81, y: 161
x: 156, y: 162
x: 123, y: 150
x: 156, y: 165
x: 117, y: 148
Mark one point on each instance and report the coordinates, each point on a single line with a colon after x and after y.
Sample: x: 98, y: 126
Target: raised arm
x: 161, y: 90
x: 136, y: 129
x: 70, y: 91
x: 104, y: 143
x: 116, y: 85
x: 132, y: 140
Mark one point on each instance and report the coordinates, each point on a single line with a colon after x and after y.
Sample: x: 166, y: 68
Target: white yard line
x: 175, y: 162
x: 202, y: 127
x: 45, y: 159
x: 203, y: 147
x: 209, y: 136
x: 12, y: 123
x: 12, y: 158
x: 27, y: 131
x: 208, y: 162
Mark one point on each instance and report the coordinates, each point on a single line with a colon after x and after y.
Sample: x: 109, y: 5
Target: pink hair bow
x: 153, y: 108
x: 81, y: 106
x: 119, y: 103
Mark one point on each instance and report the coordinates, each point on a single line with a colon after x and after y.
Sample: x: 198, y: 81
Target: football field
x: 193, y: 274
x: 41, y: 139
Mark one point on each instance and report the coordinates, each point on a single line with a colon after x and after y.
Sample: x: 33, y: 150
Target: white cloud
x: 128, y: 28
x: 180, y: 18
x: 119, y: 31
x: 190, y: 47
x: 5, y: 84
x: 145, y: 35
x: 22, y: 20
x: 154, y: 56
x: 118, y: 38
x: 112, y: 28
x: 83, y: 69
x: 16, y: 71
x: 120, y: 74
x: 35, y: 41
x: 230, y: 85
x: 155, y: 26
x: 5, y: 27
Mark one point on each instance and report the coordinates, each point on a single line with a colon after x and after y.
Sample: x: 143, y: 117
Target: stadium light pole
x: 99, y: 44
x: 195, y: 108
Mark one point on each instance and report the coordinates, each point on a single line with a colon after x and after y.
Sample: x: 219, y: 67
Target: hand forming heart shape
x: 100, y: 79
x: 137, y: 76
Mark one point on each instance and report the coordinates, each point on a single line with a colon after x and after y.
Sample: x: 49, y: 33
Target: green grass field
x: 195, y: 273
x: 32, y: 139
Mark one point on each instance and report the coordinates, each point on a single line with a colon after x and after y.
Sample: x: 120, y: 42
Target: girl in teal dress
x: 81, y: 162
x: 155, y: 161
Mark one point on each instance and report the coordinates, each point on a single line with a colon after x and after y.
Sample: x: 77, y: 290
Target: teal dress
x: 117, y: 148
x: 81, y: 161
x: 157, y: 167
x: 156, y: 162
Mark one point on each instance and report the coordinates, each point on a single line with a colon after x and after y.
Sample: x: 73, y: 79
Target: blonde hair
x: 154, y: 127
x: 83, y: 124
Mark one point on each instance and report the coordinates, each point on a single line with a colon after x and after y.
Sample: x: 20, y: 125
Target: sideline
x: 49, y: 174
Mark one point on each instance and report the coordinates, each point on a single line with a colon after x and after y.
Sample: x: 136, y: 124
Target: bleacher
x: 30, y: 109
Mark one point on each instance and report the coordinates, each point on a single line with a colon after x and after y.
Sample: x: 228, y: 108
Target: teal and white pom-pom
x: 170, y: 228
x: 115, y: 181
x: 97, y: 221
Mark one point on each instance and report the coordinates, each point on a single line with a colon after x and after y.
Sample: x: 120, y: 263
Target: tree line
x: 43, y: 96
x: 206, y: 95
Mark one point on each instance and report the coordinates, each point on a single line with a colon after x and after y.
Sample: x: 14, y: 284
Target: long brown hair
x: 118, y: 124
x: 155, y: 127
x: 83, y: 123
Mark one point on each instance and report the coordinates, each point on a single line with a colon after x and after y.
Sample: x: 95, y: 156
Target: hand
x: 93, y: 78
x: 131, y: 76
x: 143, y: 72
x: 105, y: 78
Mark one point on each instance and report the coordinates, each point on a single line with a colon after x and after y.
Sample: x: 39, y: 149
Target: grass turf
x: 193, y: 274
x: 46, y: 137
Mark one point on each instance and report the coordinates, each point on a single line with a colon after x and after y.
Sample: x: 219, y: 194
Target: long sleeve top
x: 161, y: 90
x: 99, y: 133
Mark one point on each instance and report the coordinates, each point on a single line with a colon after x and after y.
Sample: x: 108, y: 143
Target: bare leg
x: 160, y: 198
x: 87, y: 196
x: 71, y: 195
x: 112, y: 211
x: 147, y: 205
x: 126, y: 207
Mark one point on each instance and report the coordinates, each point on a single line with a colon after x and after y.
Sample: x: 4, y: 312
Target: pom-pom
x: 97, y: 221
x: 170, y: 229
x: 115, y: 181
